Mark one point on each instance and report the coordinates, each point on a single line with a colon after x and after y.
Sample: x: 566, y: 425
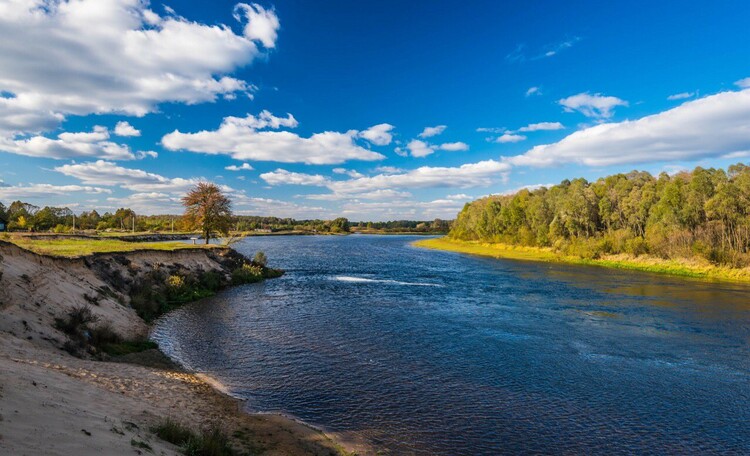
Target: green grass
x: 129, y: 346
x: 211, y: 442
x: 683, y: 268
x: 76, y: 247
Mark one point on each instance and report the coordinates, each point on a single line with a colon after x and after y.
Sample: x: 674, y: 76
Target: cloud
x: 241, y: 139
x: 379, y: 134
x: 401, y: 152
x: 349, y: 172
x: 530, y: 187
x: 429, y: 132
x: 284, y: 177
x: 596, y: 106
x: 244, y: 167
x: 392, y: 185
x: 491, y: 130
x: 384, y: 194
x: 681, y: 96
x: 106, y: 173
x: 519, y: 54
x: 262, y: 25
x: 743, y: 83
x: 79, y: 57
x: 542, y: 126
x: 709, y: 127
x: 533, y: 91
x: 125, y: 129
x: 555, y: 48
x: 419, y: 148
x: 454, y: 146
x: 464, y: 176
x: 94, y: 144
x: 510, y: 138
x: 45, y: 190
x: 149, y: 203
x: 388, y: 169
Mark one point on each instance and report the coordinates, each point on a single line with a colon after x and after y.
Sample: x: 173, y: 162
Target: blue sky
x: 369, y: 110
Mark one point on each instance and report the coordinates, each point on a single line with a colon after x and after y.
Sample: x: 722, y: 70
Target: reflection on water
x: 424, y: 352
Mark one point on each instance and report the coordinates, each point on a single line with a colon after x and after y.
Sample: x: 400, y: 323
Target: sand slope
x: 56, y: 404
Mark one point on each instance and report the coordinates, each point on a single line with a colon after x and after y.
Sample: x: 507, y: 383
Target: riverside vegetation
x: 692, y: 223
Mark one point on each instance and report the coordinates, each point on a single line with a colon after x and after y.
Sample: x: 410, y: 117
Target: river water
x: 435, y: 353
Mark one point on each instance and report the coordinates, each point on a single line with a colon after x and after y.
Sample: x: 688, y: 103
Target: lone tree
x: 207, y: 207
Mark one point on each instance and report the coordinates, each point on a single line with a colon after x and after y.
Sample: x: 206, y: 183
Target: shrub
x: 247, y: 273
x: 76, y: 322
x: 211, y: 280
x: 260, y: 259
x: 173, y: 432
x: 212, y: 442
x: 103, y: 335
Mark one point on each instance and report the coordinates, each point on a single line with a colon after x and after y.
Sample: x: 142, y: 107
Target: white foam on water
x: 351, y: 279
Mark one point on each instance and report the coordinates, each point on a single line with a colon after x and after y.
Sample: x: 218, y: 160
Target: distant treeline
x: 703, y: 213
x: 21, y: 216
x: 405, y: 226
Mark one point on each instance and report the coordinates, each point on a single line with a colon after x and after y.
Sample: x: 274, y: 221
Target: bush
x: 212, y: 442
x: 103, y: 335
x: 211, y: 280
x: 76, y: 322
x: 260, y: 259
x: 173, y: 432
x: 129, y: 346
x: 247, y: 273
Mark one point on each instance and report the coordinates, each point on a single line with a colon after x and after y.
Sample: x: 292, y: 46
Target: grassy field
x: 75, y: 247
x: 684, y: 268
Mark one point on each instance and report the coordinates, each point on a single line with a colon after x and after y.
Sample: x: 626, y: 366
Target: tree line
x: 23, y: 216
x: 700, y: 213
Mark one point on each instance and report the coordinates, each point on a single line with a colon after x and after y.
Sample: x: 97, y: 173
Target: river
x: 435, y: 353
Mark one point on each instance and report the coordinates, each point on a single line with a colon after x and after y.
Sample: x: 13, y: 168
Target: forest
x: 701, y: 213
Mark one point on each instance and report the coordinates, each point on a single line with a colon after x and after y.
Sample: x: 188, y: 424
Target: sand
x: 52, y: 403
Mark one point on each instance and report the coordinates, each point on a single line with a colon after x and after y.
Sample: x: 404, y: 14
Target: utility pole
x: 74, y: 221
x: 173, y: 226
x: 133, y: 223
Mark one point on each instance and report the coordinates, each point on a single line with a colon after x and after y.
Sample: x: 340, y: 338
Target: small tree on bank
x: 207, y: 207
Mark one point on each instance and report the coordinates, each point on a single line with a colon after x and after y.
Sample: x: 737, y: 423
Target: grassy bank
x: 684, y: 268
x: 75, y: 247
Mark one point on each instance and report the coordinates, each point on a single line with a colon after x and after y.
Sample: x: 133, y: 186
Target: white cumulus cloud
x: 380, y: 134
x: 510, y: 138
x: 454, y: 146
x: 284, y: 177
x: 596, y: 106
x: 94, y: 144
x: 709, y: 127
x: 124, y: 128
x: 419, y: 148
x: 542, y: 126
x: 45, y: 190
x: 80, y: 57
x: 243, y: 167
x: 244, y: 139
x: 429, y: 132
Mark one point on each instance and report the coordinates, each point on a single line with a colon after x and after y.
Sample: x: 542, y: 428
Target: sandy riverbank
x: 57, y: 404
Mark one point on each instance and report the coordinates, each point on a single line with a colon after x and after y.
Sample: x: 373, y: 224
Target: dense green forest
x: 704, y: 213
x: 21, y: 216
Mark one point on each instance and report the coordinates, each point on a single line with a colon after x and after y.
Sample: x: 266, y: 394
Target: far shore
x: 645, y: 263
